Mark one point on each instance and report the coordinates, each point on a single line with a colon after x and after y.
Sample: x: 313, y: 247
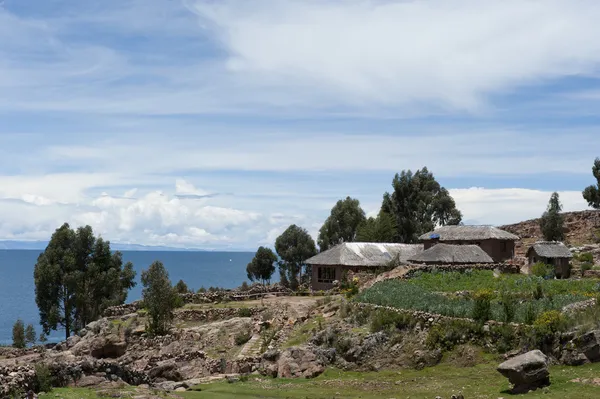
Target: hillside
x: 581, y: 227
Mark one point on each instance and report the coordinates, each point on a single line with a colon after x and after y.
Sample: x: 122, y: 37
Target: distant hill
x: 41, y: 245
x: 582, y: 227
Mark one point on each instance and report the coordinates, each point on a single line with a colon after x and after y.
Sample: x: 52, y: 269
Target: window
x: 326, y: 274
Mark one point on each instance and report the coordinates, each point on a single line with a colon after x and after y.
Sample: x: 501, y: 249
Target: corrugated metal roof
x: 468, y: 233
x: 365, y: 254
x: 452, y: 254
x: 550, y: 249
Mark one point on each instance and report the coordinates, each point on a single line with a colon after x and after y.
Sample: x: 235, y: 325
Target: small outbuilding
x: 329, y: 266
x: 497, y: 243
x: 553, y: 253
x: 447, y: 254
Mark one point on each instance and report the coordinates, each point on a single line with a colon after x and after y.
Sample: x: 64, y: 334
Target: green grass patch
x: 301, y: 334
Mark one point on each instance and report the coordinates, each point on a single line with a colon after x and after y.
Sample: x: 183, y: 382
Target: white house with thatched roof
x: 497, y: 243
x: 448, y: 254
x: 330, y: 265
x: 553, y: 253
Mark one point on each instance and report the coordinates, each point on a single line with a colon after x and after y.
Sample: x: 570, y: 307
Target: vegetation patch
x: 507, y: 298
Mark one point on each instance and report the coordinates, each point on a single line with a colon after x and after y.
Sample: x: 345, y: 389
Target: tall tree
x: 380, y: 229
x: 159, y: 298
x: 418, y: 204
x: 342, y: 224
x: 551, y: 222
x: 77, y: 277
x: 262, y: 266
x: 181, y: 287
x: 294, y: 246
x: 18, y: 334
x: 592, y: 193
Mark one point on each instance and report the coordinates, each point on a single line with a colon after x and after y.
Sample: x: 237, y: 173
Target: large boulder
x: 589, y: 345
x: 526, y: 372
x: 299, y: 362
x: 101, y: 347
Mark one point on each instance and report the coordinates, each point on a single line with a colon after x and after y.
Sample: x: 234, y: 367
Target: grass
x: 479, y: 382
x: 301, y: 334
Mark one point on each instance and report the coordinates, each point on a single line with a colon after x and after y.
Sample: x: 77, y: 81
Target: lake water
x: 197, y: 269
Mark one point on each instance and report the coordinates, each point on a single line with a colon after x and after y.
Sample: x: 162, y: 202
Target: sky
x: 215, y: 124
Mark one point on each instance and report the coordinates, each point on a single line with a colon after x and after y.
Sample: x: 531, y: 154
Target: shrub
x: 482, y: 306
x: 538, y: 293
x: 244, y: 312
x: 30, y: 335
x: 18, y: 334
x: 181, y: 287
x: 244, y: 287
x: 201, y: 290
x: 384, y: 319
x: 159, y: 298
x: 509, y: 306
x: 43, y: 381
x: 449, y: 334
x: 349, y: 287
x: 549, y: 322
x: 585, y: 257
x: 530, y: 314
x: 543, y: 270
x: 585, y: 266
x: 242, y: 338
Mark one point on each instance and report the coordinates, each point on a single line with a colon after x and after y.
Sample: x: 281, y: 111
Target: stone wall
x: 502, y: 267
x: 212, y: 314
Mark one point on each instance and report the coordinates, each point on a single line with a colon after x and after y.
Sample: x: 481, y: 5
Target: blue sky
x: 216, y: 124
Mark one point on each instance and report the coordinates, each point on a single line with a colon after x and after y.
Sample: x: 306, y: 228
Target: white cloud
x: 374, y: 53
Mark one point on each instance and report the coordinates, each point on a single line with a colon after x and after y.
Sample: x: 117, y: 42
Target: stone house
x: 551, y: 253
x: 498, y: 244
x: 331, y: 265
x: 447, y: 254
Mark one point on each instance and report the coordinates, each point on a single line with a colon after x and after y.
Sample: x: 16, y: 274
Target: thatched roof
x: 452, y: 254
x: 468, y: 233
x: 550, y: 249
x: 365, y: 254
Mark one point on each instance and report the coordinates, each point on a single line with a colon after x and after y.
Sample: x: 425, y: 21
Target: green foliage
x: 77, y: 277
x: 482, y: 306
x: 584, y: 257
x: 262, y: 266
x: 384, y: 319
x: 586, y: 266
x: 18, y: 334
x: 244, y: 312
x: 417, y: 294
x: 30, y: 335
x: 383, y: 228
x: 447, y: 335
x: 592, y: 193
x: 418, y: 203
x: 244, y: 286
x: 549, y: 322
x: 342, y: 224
x: 43, y: 339
x: 242, y: 338
x: 43, y: 378
x: 181, y: 287
x: 538, y: 293
x: 542, y: 270
x: 509, y: 306
x: 159, y: 298
x: 294, y: 246
x: 349, y: 287
x: 201, y: 290
x: 552, y: 222
x: 530, y: 313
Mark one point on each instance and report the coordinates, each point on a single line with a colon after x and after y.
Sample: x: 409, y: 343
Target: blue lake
x: 197, y: 269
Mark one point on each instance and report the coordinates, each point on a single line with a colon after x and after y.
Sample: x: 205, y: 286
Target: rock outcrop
x: 526, y: 372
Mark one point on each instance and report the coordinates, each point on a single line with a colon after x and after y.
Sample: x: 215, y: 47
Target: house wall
x: 339, y: 271
x: 498, y: 250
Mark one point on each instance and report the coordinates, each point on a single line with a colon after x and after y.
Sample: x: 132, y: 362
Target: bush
x: 43, y: 378
x: 244, y: 287
x: 242, y: 338
x: 244, y: 312
x: 181, y: 287
x: 549, y: 322
x: 585, y: 257
x: 384, y: 319
x: 159, y: 298
x: 448, y: 335
x: 509, y: 306
x: 530, y: 314
x: 538, y: 293
x: 586, y: 266
x: 543, y: 270
x: 482, y: 306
